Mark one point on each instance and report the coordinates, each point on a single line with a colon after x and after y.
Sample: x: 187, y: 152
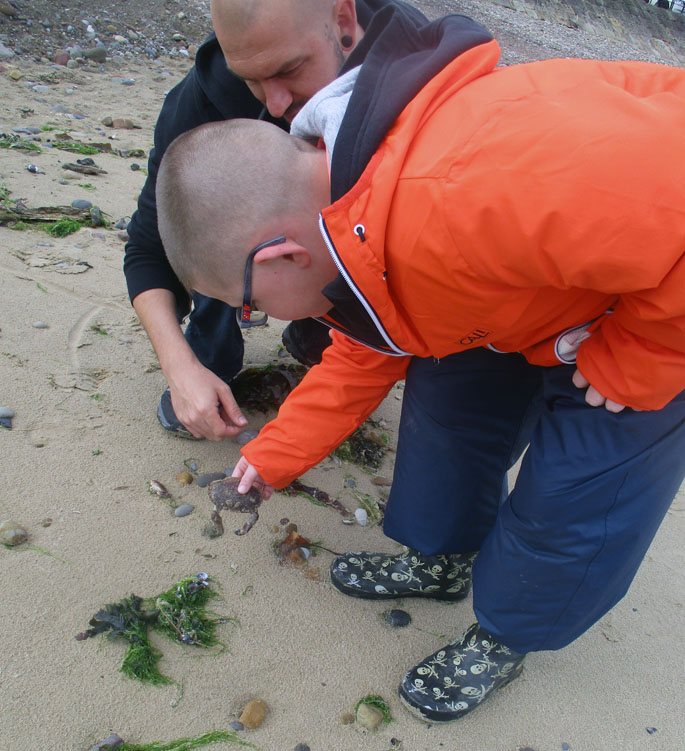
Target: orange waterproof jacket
x: 509, y: 208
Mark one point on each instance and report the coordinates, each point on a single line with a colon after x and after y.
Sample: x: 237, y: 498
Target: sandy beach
x: 78, y: 372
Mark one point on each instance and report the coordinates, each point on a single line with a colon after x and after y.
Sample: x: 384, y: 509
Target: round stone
x: 397, y: 618
x: 40, y: 325
x: 81, y: 203
x: 12, y: 533
x: 369, y: 717
x: 254, y: 713
x: 361, y: 516
x: 6, y: 412
x: 184, y: 510
x: 236, y: 725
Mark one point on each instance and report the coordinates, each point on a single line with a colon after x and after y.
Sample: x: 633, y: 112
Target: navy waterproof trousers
x: 562, y: 548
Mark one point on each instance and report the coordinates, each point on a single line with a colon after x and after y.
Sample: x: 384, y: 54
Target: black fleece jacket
x: 208, y: 93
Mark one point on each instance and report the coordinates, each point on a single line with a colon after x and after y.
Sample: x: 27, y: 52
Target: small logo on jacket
x: 473, y: 337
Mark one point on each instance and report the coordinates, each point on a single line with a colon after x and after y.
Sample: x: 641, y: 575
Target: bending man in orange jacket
x: 525, y: 221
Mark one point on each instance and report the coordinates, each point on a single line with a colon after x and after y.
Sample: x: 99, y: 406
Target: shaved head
x: 223, y: 185
x: 236, y: 17
x: 285, y: 50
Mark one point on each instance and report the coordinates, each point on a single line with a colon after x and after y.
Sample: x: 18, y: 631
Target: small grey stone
x: 96, y: 54
x: 134, y: 166
x: 302, y: 747
x: 5, y: 52
x: 122, y: 223
x: 397, y: 618
x: 29, y: 131
x: 6, y: 422
x: 40, y: 325
x: 12, y: 533
x: 69, y: 91
x: 62, y: 181
x: 81, y: 203
x: 110, y: 743
x: 246, y: 436
x: 184, y: 510
x: 41, y: 88
x: 128, y: 81
x: 6, y: 412
x: 204, y: 479
x: 236, y: 725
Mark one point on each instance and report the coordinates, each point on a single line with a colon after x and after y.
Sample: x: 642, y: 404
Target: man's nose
x: 277, y: 98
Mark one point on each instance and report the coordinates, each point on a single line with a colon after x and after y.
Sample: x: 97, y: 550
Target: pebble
x: 185, y: 478
x: 27, y: 131
x: 46, y: 522
x: 41, y: 88
x: 96, y: 218
x: 96, y: 54
x: 40, y: 325
x: 5, y: 52
x: 246, y: 436
x: 12, y: 533
x: 236, y: 725
x: 110, y: 743
x: 184, y: 510
x: 302, y: 747
x: 397, y: 618
x: 361, y: 516
x: 128, y: 81
x: 369, y: 717
x: 122, y: 223
x: 134, y: 167
x: 6, y: 422
x: 254, y: 713
x: 204, y: 479
x: 80, y: 203
x: 347, y: 718
x: 6, y: 412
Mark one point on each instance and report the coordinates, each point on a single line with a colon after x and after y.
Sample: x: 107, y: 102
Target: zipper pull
x: 360, y: 230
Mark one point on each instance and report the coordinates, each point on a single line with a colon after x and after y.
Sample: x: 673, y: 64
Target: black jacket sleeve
x: 208, y: 93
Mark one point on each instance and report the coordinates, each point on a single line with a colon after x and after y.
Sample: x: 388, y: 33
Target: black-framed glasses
x: 244, y: 313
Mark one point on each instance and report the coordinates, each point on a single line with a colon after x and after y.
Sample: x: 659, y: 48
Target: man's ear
x: 289, y: 251
x: 345, y: 18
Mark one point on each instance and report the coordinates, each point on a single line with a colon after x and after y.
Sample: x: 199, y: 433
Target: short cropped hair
x: 217, y: 185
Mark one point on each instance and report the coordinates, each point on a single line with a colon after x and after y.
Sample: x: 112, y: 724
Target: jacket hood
x: 399, y: 59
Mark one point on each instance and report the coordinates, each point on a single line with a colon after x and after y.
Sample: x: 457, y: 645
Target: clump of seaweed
x: 183, y: 615
x: 264, y: 389
x: 366, y: 447
x: 179, y: 613
x: 374, y: 700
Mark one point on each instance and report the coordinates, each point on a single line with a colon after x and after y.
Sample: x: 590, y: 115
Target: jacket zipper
x: 358, y: 294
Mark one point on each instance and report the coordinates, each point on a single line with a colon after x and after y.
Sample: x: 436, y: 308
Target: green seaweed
x: 179, y: 613
x: 365, y: 447
x: 19, y: 143
x: 370, y: 505
x: 374, y: 700
x: 64, y: 227
x: 75, y: 147
x: 186, y: 744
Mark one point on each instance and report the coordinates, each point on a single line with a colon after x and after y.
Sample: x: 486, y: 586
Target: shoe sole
x: 438, y: 718
x: 361, y: 595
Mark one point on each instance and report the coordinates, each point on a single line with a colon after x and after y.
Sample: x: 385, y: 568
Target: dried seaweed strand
x: 186, y: 744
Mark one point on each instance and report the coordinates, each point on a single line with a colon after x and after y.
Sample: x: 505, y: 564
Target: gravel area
x: 41, y: 28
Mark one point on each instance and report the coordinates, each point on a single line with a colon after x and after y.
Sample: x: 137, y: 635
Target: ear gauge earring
x: 346, y: 41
